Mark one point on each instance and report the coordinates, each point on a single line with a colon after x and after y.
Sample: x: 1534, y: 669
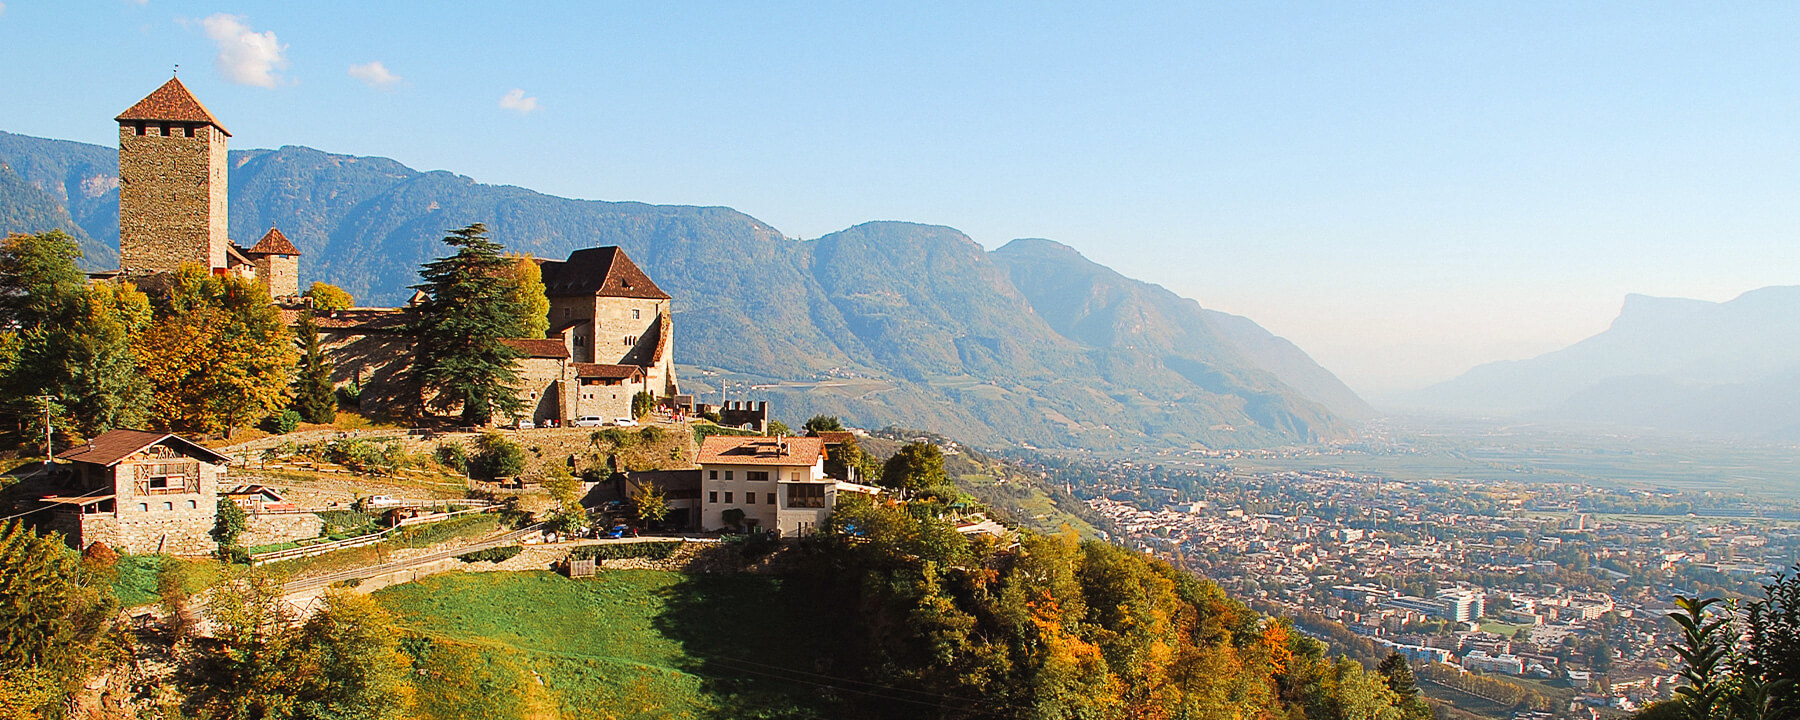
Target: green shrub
x: 283, y: 423
x: 620, y: 551
x: 349, y: 396
x: 382, y: 455
x: 453, y: 456
x: 642, y: 403
x: 497, y: 456
x: 493, y: 554
x: 422, y: 535
x: 617, y: 437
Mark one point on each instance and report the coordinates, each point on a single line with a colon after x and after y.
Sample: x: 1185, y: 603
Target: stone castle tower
x: 173, y: 207
x: 172, y: 194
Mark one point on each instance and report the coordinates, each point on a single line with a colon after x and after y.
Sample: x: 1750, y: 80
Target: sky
x: 1405, y: 190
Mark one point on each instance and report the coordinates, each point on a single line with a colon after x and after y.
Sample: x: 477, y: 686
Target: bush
x: 620, y: 551
x: 642, y: 403
x: 422, y: 535
x: 282, y: 424
x: 349, y: 395
x: 496, y: 456
x: 362, y: 455
x: 453, y: 456
x: 617, y: 437
x: 493, y: 555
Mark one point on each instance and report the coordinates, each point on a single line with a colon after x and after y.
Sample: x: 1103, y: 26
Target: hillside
x: 1675, y: 364
x: 883, y: 323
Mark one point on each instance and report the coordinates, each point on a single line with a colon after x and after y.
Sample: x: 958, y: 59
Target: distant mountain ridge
x: 885, y: 322
x: 1669, y: 363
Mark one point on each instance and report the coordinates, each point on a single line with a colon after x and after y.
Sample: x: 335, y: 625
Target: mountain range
x: 1692, y: 366
x: 881, y: 323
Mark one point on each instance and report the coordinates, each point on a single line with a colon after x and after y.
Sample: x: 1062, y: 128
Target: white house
x: 778, y: 483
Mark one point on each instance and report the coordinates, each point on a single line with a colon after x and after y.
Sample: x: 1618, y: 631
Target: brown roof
x: 755, y: 450
x: 172, y: 102
x: 603, y: 271
x: 533, y: 348
x: 274, y: 243
x: 836, y: 437
x: 607, y: 372
x: 115, y: 445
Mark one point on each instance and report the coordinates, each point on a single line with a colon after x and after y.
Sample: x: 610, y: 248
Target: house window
x: 714, y: 475
x: 712, y: 497
x: 757, y: 476
x: 749, y: 498
x: 806, y: 496
x: 727, y: 498
x: 143, y: 507
x: 168, y: 506
x: 727, y: 474
x: 193, y: 504
x: 634, y: 313
x: 771, y: 498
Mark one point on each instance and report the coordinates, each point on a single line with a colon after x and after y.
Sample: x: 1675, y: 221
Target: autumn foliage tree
x: 218, y: 355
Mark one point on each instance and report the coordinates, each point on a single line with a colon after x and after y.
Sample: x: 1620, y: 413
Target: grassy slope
x: 660, y: 644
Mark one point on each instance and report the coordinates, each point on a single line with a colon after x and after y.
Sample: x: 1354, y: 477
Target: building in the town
x: 608, y: 312
x: 778, y: 483
x: 139, y: 492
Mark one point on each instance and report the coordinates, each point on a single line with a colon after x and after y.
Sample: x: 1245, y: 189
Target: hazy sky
x: 1404, y: 190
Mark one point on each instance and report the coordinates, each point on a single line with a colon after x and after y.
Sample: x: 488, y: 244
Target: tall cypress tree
x: 459, y: 359
x: 313, y: 397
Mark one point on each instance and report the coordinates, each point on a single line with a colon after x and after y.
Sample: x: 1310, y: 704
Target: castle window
x: 565, y: 313
x: 580, y: 341
x: 189, y: 130
x: 165, y: 129
x: 634, y: 313
x: 141, y: 127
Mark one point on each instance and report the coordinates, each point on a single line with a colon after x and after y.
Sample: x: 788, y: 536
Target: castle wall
x: 172, y: 196
x: 378, y: 361
x: 280, y: 274
x: 541, y: 383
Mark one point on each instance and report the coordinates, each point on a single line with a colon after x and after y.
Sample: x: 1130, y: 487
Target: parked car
x: 523, y: 424
x: 625, y: 422
x: 618, y: 531
x: 590, y: 421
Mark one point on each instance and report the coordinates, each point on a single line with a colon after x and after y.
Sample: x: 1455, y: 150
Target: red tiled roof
x: 836, y: 437
x: 115, y: 445
x: 172, y: 102
x: 274, y: 243
x: 753, y: 450
x: 533, y: 348
x: 602, y: 271
x: 603, y: 371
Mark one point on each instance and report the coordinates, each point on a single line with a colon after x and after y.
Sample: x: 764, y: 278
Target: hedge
x: 619, y: 551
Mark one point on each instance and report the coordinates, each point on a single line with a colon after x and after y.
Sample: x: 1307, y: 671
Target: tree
x: 641, y: 404
x: 55, y: 630
x: 497, y: 456
x: 328, y: 298
x: 218, y: 355
x: 527, y: 294
x: 565, y: 491
x: 822, y: 423
x: 460, y: 361
x: 315, y: 397
x: 839, y: 461
x: 230, y: 523
x: 648, y: 504
x: 1398, y: 675
x: 348, y: 662
x: 777, y: 427
x: 917, y: 465
x: 37, y: 275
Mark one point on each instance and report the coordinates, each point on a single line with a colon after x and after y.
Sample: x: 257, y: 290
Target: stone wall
x: 176, y: 523
x: 378, y: 361
x: 280, y: 274
x: 271, y: 528
x: 542, y: 385
x: 172, y: 196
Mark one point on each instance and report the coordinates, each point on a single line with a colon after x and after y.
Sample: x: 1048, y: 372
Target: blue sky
x: 1404, y: 189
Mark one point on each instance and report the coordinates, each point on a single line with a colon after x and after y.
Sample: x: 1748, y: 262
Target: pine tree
x: 314, y: 396
x: 460, y: 361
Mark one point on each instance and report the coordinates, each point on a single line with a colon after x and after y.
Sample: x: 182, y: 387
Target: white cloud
x: 246, y: 57
x: 375, y: 74
x: 516, y: 100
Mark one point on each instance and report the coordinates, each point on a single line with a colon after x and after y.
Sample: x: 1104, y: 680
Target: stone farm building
x: 140, y: 493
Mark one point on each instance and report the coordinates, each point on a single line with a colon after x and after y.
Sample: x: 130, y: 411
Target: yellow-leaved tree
x: 527, y: 294
x: 217, y: 356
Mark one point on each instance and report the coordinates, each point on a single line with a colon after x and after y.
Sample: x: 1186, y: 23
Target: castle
x: 611, y: 329
x: 173, y: 197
